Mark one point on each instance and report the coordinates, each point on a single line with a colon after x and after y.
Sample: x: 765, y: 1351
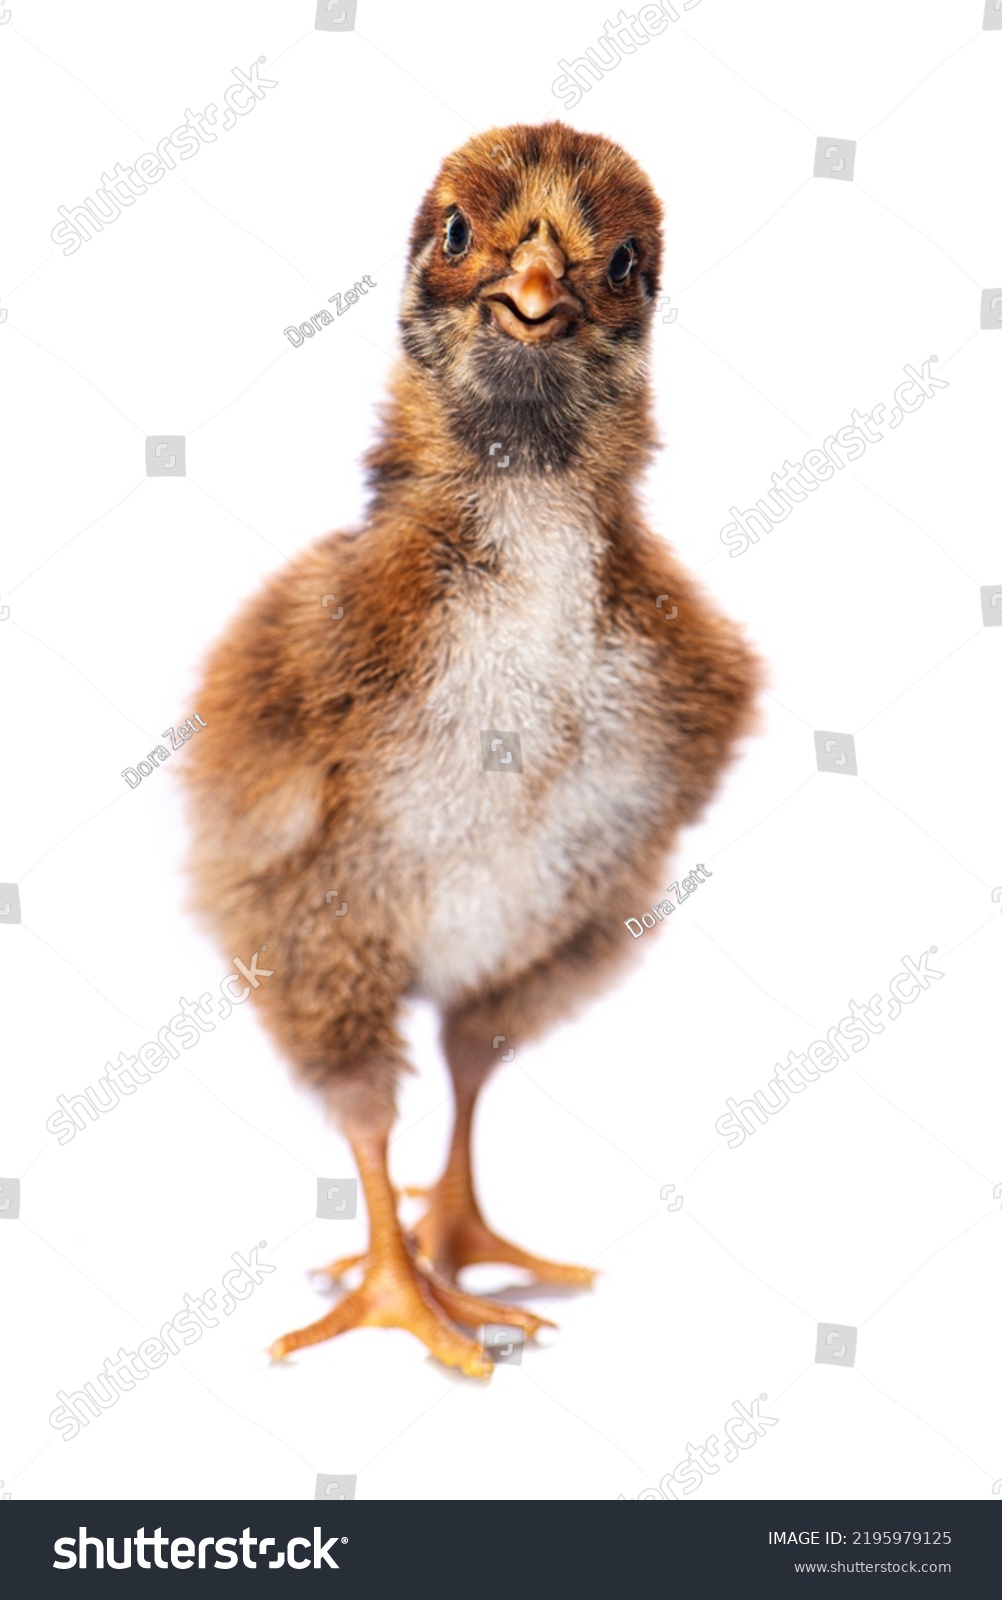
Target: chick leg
x: 453, y: 1233
x: 396, y: 1292
x: 469, y: 1310
x: 393, y: 1293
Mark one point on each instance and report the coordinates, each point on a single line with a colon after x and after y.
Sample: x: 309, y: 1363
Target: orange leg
x: 453, y: 1234
x: 395, y: 1292
x: 392, y: 1294
x: 469, y: 1310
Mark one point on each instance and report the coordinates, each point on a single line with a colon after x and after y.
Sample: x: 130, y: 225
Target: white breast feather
x: 492, y: 856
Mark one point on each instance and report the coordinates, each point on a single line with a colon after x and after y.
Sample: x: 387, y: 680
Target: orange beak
x: 532, y: 304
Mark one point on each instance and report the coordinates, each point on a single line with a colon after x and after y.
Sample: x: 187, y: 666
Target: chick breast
x: 500, y: 866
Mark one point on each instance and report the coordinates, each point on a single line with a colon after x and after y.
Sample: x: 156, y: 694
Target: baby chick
x: 482, y: 718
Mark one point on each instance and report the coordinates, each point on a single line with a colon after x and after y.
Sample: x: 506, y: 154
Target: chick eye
x: 621, y: 262
x: 457, y: 234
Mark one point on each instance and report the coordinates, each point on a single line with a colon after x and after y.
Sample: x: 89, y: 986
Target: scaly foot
x: 452, y: 1236
x: 469, y: 1310
x: 393, y: 1294
x: 336, y: 1270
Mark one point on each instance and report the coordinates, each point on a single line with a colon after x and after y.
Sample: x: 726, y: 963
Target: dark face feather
x: 534, y: 268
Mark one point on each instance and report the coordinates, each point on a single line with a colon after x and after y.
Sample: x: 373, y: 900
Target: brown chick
x: 471, y: 718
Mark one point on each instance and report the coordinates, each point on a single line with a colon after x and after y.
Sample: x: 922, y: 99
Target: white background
x: 868, y: 1199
